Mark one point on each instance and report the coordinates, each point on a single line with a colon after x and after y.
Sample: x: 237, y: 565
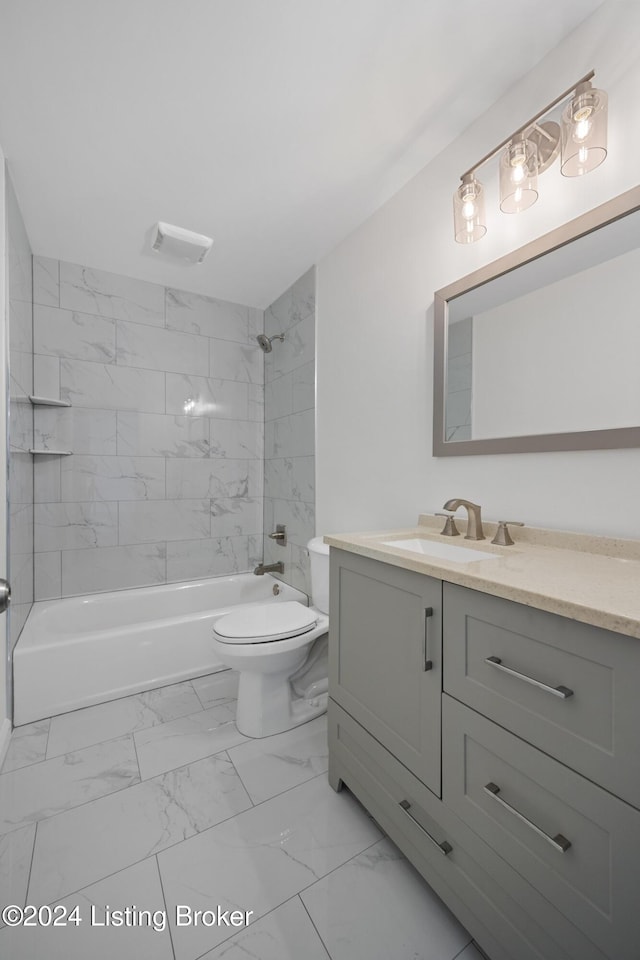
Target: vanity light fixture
x: 531, y: 150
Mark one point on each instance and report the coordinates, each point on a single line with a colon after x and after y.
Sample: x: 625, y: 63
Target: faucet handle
x: 449, y: 529
x: 503, y: 537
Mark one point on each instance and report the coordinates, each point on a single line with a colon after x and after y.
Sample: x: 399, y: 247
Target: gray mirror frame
x: 616, y: 438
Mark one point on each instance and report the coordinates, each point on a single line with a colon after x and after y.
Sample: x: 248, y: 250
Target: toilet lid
x: 266, y: 621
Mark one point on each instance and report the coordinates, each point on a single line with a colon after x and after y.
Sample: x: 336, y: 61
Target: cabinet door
x: 385, y: 657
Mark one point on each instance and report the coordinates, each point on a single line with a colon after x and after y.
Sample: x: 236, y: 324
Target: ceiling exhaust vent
x: 180, y: 243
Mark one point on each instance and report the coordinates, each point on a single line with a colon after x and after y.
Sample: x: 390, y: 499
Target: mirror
x: 540, y: 349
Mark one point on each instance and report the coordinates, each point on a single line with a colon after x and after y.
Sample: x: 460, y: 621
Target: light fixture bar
x: 528, y: 124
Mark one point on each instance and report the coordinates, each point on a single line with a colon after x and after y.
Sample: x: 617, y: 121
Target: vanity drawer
x: 574, y: 842
x: 583, y: 707
x: 510, y: 919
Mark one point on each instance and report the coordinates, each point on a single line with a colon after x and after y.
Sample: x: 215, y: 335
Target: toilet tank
x: 319, y: 560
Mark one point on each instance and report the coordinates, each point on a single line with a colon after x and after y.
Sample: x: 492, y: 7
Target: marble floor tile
x: 28, y: 745
x: 187, y: 739
x: 216, y: 688
x: 104, y: 721
x: 377, y: 906
x: 261, y: 858
x: 16, y: 849
x: 284, y: 934
x: 45, y: 789
x: 138, y: 886
x: 272, y: 765
x: 77, y: 848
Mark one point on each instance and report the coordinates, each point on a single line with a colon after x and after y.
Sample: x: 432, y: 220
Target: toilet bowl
x: 280, y: 652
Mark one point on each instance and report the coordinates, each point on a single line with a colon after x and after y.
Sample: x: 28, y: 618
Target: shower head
x: 265, y: 342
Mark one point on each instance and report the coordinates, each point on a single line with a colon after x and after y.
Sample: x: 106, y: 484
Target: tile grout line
x: 304, y: 907
x: 202, y: 956
x: 33, y: 853
x: 166, y: 909
x: 244, y: 787
x: 354, y: 857
x: 466, y: 947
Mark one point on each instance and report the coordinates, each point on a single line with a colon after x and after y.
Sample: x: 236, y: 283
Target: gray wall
x: 289, y: 371
x: 20, y: 417
x: 166, y: 428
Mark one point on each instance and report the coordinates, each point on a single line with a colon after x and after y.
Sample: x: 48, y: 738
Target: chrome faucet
x: 269, y: 568
x: 474, y: 522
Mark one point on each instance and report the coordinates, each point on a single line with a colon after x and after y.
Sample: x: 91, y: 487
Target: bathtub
x: 85, y: 650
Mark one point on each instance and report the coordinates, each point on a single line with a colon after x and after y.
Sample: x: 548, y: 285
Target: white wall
x: 375, y: 322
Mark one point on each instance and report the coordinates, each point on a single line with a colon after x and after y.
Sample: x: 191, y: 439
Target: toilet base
x: 266, y: 705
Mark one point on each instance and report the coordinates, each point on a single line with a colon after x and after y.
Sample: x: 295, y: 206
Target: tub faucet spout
x: 474, y: 523
x: 269, y: 568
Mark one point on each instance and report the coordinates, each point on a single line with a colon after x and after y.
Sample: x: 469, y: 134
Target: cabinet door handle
x: 427, y: 664
x: 443, y: 847
x: 558, y: 842
x: 562, y: 692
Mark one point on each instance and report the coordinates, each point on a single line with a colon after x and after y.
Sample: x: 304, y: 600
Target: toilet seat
x: 266, y: 622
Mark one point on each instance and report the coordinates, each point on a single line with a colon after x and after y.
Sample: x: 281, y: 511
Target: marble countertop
x: 591, y: 579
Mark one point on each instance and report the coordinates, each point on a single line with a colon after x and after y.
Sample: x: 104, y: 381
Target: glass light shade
x: 584, y: 131
x: 468, y: 211
x: 518, y: 176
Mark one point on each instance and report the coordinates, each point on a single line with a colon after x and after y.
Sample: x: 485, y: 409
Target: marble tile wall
x: 166, y: 427
x: 289, y: 466
x: 20, y: 418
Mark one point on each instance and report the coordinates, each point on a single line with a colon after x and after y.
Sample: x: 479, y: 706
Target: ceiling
x: 274, y: 126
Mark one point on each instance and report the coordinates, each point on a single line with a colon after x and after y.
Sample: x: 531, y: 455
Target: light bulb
x: 581, y: 130
x: 469, y: 209
x: 517, y: 174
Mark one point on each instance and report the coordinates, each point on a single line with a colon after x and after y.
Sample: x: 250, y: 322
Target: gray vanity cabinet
x: 385, y: 663
x: 532, y: 835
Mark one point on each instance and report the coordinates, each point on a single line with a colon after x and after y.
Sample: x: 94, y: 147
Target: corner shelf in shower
x: 48, y: 402
x: 52, y: 453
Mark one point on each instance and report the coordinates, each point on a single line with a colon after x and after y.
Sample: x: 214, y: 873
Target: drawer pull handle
x: 426, y: 663
x: 443, y: 847
x: 558, y: 842
x: 562, y: 692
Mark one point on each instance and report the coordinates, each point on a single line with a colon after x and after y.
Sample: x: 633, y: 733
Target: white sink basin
x: 442, y: 551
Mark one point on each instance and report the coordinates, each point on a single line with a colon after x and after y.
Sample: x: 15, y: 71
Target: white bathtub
x: 84, y: 650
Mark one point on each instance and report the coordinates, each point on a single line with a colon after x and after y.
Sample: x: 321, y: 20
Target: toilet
x: 280, y: 652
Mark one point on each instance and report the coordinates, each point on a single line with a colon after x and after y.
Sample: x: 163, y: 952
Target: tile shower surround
x: 166, y: 427
x: 157, y: 800
x: 289, y: 413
